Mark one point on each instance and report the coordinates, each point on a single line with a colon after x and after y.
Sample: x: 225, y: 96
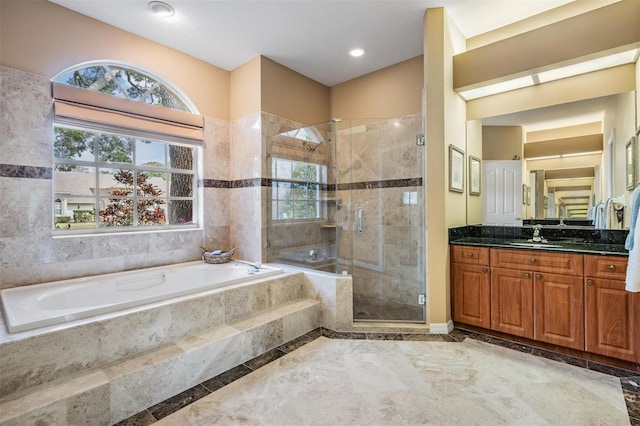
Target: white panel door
x: 501, y: 192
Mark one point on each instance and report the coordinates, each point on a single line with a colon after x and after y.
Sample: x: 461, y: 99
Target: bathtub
x: 34, y: 306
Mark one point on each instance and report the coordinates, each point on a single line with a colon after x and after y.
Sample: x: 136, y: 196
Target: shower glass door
x: 381, y: 217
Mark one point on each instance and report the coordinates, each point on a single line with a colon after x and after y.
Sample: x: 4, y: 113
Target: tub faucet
x: 313, y: 254
x: 253, y: 267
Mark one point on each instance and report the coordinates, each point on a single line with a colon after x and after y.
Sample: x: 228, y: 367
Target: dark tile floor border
x: 629, y: 380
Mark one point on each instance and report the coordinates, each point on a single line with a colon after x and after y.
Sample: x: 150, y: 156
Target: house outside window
x: 122, y: 158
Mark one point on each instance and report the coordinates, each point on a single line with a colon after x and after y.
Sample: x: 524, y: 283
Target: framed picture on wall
x: 474, y: 175
x: 456, y: 169
x: 630, y: 163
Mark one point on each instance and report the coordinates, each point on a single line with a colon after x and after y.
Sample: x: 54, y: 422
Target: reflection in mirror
x: 572, y: 158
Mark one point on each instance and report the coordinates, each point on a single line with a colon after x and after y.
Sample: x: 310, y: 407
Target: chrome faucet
x: 313, y: 254
x: 537, y: 238
x: 253, y: 267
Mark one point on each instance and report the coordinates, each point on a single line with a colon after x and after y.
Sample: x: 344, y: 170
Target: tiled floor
x: 374, y: 309
x: 355, y: 378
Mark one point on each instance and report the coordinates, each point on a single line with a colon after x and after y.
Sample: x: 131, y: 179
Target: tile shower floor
x: 328, y: 378
x: 374, y: 309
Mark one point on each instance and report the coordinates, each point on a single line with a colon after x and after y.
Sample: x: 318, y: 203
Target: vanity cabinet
x: 538, y: 295
x: 571, y: 300
x: 612, y: 314
x: 470, y: 278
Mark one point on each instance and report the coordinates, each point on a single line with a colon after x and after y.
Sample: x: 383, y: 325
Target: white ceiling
x: 311, y: 37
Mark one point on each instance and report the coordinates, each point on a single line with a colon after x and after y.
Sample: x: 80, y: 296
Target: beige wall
x: 474, y: 147
x: 502, y: 142
x: 613, y: 27
x: 289, y: 94
x: 394, y: 91
x: 445, y: 117
x: 546, y: 18
x: 620, y: 121
x: 43, y: 38
x: 245, y: 89
x: 564, y: 132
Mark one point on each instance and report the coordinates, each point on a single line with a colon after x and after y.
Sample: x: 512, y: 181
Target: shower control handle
x: 359, y: 215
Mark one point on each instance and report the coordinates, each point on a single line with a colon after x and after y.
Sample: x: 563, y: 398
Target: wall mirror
x: 572, y: 156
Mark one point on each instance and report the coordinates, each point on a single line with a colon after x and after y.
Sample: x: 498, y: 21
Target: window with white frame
x: 125, y: 151
x: 296, y: 189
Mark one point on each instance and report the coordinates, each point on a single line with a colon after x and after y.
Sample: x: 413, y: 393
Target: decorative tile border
x: 30, y: 172
x: 268, y: 182
x: 629, y: 380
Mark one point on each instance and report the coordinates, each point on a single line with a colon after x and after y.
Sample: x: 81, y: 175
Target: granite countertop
x: 586, y: 240
x: 570, y: 246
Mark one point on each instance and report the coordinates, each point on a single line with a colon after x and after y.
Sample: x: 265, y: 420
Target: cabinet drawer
x: 612, y: 267
x: 555, y: 262
x: 470, y: 254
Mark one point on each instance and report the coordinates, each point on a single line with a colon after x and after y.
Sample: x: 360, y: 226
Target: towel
x: 598, y: 220
x: 612, y: 206
x: 632, y: 281
x: 635, y: 208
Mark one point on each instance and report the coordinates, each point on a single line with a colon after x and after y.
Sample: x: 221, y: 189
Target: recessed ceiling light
x: 356, y: 52
x: 161, y: 9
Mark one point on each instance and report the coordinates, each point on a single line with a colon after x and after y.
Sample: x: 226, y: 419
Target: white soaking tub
x: 34, y: 306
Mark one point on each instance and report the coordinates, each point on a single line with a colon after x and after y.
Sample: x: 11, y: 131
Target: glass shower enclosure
x: 347, y: 196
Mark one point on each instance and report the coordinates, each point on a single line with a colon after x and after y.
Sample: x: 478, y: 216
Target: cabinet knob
x: 469, y: 254
x: 532, y: 260
x: 589, y: 282
x: 526, y: 275
x: 484, y: 269
x: 538, y: 276
x: 612, y: 267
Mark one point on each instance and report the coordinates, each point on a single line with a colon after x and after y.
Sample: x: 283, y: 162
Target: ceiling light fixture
x: 357, y: 52
x: 496, y: 88
x: 598, y: 64
x: 588, y: 66
x: 161, y: 9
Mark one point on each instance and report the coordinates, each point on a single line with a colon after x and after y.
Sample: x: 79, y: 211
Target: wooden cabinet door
x: 512, y: 302
x: 612, y: 319
x: 471, y: 297
x: 558, y: 309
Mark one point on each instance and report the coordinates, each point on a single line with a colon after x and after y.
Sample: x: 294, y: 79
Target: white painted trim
x: 441, y: 328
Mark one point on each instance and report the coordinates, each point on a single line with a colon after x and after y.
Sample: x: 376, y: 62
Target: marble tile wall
x: 216, y: 192
x: 247, y: 227
x: 29, y: 254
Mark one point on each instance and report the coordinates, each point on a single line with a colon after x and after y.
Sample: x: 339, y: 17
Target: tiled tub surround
x: 595, y: 393
x: 571, y: 239
x: 32, y: 307
x: 102, y: 370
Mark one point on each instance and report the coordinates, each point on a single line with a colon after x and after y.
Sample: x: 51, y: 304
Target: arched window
x: 126, y: 151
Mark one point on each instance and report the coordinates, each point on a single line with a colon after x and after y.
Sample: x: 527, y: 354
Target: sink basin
x: 534, y: 245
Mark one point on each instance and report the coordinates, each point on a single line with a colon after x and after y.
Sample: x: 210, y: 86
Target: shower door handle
x: 359, y: 215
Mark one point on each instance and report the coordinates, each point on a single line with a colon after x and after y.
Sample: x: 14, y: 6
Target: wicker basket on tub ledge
x: 217, y: 257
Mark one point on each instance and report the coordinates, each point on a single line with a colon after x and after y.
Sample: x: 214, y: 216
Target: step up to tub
x: 119, y: 389
x: 35, y: 357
